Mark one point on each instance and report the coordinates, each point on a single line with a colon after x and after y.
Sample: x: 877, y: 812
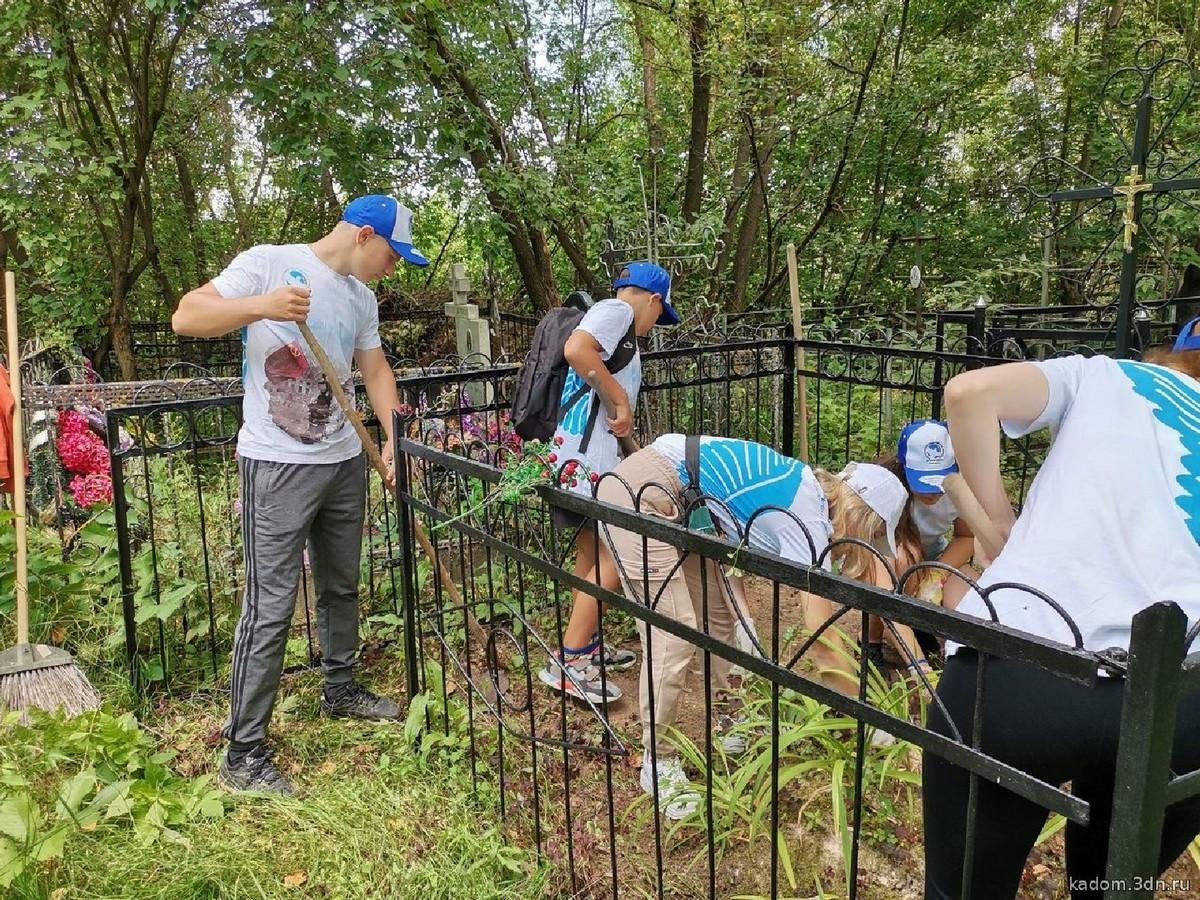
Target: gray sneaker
x: 730, y: 730
x: 353, y: 701
x: 615, y: 659
x: 255, y: 773
x: 577, y: 677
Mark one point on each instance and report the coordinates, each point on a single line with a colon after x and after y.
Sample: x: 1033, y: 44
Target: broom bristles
x: 62, y: 687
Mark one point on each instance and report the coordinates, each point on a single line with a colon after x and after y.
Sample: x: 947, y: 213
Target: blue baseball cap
x: 926, y: 454
x: 653, y: 278
x: 390, y: 218
x: 1187, y: 340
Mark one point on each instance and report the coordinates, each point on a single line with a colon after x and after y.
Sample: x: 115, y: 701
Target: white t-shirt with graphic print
x: 608, y: 322
x: 1112, y: 521
x: 289, y: 414
x: 747, y: 476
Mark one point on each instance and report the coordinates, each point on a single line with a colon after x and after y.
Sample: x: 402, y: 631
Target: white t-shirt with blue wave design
x: 1112, y: 521
x: 608, y: 322
x: 746, y: 477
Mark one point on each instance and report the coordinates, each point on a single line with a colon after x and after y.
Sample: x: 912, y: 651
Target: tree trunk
x: 146, y: 218
x: 191, y: 216
x: 120, y: 336
x: 751, y: 219
x: 454, y: 84
x: 698, y: 37
x: 578, y: 258
x: 1072, y: 290
x: 733, y: 203
x: 649, y: 79
x: 235, y: 193
x: 10, y: 246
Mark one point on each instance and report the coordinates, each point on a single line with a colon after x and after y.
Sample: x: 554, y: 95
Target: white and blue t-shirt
x: 747, y: 476
x: 1112, y: 520
x: 289, y: 413
x: 608, y: 322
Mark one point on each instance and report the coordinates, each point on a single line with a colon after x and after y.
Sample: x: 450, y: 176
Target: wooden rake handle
x: 380, y: 466
x: 21, y: 582
x: 628, y: 444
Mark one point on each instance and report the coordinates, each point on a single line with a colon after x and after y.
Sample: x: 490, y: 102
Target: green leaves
x: 24, y: 838
x: 19, y: 818
x: 108, y: 777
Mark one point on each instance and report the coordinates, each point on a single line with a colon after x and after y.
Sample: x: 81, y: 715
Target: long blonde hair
x: 850, y: 517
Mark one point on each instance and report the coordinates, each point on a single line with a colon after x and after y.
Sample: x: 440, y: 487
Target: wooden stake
x: 20, y: 582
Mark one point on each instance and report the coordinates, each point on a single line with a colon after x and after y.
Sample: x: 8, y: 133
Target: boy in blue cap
x: 643, y: 300
x: 301, y: 464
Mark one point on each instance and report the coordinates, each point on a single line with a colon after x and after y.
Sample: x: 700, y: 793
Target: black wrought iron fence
x: 812, y: 788
x: 175, y: 478
x: 512, y: 334
x: 157, y: 349
x: 177, y: 509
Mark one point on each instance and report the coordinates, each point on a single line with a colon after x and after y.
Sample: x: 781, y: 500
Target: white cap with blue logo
x: 927, y: 455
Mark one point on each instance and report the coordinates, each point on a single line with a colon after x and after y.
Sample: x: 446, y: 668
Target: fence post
x: 1156, y: 652
x: 978, y: 330
x: 124, y: 559
x: 408, y: 577
x: 789, y: 396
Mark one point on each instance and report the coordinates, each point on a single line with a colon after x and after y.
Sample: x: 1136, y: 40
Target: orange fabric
x: 6, y: 433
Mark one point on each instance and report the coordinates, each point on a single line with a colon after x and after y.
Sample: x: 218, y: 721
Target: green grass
x: 373, y: 816
x: 349, y: 837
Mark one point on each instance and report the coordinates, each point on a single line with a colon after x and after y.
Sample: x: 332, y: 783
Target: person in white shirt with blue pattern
x: 774, y: 503
x: 1111, y: 526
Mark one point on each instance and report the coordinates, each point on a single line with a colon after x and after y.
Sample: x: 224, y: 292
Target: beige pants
x: 651, y: 574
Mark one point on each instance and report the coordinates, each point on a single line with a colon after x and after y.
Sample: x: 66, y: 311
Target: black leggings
x: 1057, y: 731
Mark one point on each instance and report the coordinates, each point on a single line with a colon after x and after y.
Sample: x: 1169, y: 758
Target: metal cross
x: 1151, y: 59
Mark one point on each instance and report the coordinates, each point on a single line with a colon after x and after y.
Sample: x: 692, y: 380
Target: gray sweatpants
x: 284, y: 504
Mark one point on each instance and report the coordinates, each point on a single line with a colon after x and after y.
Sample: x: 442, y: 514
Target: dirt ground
x: 891, y: 869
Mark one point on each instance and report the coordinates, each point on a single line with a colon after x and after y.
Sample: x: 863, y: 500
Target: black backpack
x: 537, y: 408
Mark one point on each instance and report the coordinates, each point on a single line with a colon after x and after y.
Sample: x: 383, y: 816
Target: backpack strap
x: 691, y: 460
x: 626, y: 350
x: 691, y: 463
x: 571, y: 401
x: 621, y: 357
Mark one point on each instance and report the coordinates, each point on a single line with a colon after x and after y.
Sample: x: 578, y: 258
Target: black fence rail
x: 157, y: 349
x: 812, y: 788
x: 739, y: 389
x: 1040, y: 332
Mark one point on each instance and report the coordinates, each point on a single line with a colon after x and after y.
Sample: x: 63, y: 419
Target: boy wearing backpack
x: 605, y: 343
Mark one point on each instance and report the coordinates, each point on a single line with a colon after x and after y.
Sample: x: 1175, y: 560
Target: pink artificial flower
x: 83, y: 452
x: 89, y: 490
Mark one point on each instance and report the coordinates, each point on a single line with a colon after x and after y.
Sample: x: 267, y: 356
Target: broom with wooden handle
x: 377, y: 462
x: 32, y: 674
